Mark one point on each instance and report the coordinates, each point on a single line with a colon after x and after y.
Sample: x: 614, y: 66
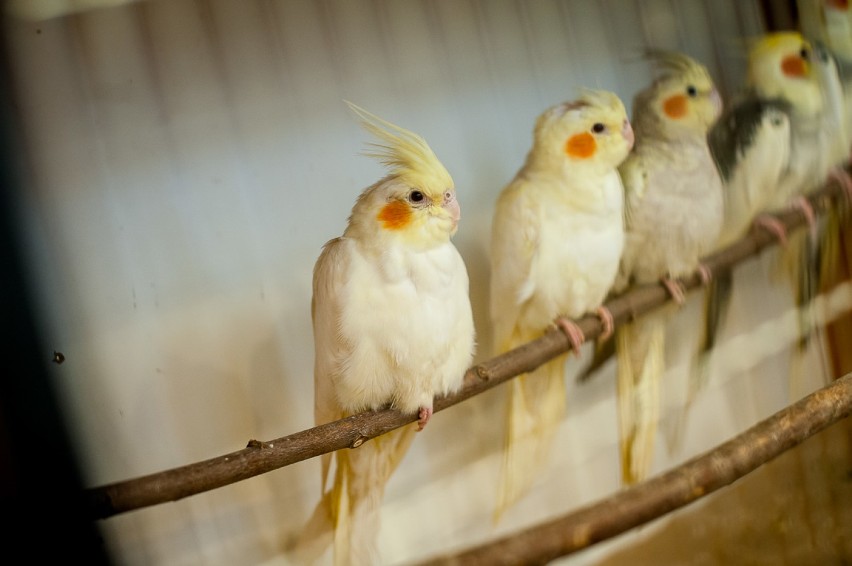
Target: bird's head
x: 591, y: 131
x: 416, y: 201
x: 682, y: 100
x: 780, y: 66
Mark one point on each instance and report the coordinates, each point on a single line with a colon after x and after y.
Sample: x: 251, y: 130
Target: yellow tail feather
x: 536, y: 406
x: 640, y: 347
x: 348, y: 515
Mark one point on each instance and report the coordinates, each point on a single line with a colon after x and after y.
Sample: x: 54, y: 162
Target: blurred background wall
x: 183, y: 162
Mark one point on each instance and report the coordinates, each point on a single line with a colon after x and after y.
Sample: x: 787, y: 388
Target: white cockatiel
x: 557, y: 237
x: 674, y: 206
x: 392, y: 327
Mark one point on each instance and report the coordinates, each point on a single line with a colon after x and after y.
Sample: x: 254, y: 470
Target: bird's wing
x: 514, y: 248
x: 330, y: 349
x: 634, y: 177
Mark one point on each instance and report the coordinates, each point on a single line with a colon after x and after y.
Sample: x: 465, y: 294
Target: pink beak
x: 627, y: 132
x: 716, y: 99
x: 451, y: 205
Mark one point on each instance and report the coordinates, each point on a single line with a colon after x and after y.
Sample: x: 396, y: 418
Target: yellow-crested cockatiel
x: 674, y: 204
x: 785, y: 65
x: 557, y: 237
x: 764, y: 145
x: 392, y: 327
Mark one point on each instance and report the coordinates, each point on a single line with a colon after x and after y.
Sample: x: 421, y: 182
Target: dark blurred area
x: 40, y: 480
x: 780, y: 15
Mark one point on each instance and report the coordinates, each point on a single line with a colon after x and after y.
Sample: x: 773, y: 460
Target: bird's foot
x: 572, y: 331
x: 424, y: 415
x: 842, y: 177
x: 675, y: 289
x: 804, y: 205
x: 773, y: 225
x: 704, y: 274
x: 606, y: 321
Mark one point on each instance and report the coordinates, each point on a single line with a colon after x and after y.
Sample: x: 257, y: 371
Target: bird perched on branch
x: 673, y: 217
x: 761, y: 149
x: 786, y: 66
x: 392, y: 327
x: 557, y: 237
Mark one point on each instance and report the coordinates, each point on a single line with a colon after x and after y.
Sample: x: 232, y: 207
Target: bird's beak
x: 716, y: 100
x: 451, y: 205
x: 627, y: 132
x: 794, y: 66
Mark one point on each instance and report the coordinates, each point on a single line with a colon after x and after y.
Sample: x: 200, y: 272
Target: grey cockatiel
x: 673, y: 204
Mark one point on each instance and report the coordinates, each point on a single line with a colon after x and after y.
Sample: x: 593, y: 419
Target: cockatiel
x: 392, y: 326
x: 557, y: 237
x: 750, y: 143
x: 816, y: 147
x: 837, y: 115
x: 674, y: 207
x: 781, y: 66
x: 755, y: 143
x: 818, y: 257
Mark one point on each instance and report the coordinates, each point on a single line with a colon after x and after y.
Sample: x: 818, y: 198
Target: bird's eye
x: 691, y: 90
x: 805, y: 54
x: 598, y: 128
x: 415, y: 196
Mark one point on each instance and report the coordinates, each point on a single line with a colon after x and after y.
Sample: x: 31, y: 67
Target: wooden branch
x: 261, y: 457
x: 664, y: 493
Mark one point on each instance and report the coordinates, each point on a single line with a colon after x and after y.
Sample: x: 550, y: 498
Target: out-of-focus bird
x: 750, y: 143
x: 819, y: 144
x: 754, y: 144
x: 784, y: 126
x: 837, y: 115
x: 557, y: 238
x: 392, y: 327
x: 817, y: 257
x: 674, y: 205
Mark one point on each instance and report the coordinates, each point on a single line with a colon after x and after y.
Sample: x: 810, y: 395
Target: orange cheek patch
x: 793, y: 66
x: 675, y: 106
x: 395, y: 215
x: 581, y: 146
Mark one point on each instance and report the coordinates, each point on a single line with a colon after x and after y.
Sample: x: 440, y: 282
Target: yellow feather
x: 640, y: 348
x: 406, y: 154
x: 536, y: 406
x: 348, y: 513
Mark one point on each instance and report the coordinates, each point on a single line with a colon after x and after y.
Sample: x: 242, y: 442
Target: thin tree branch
x: 677, y: 488
x: 261, y: 457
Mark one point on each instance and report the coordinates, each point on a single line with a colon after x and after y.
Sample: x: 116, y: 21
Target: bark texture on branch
x: 666, y: 492
x: 261, y: 457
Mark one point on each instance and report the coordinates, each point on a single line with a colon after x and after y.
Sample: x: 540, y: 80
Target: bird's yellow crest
x: 778, y: 42
x: 672, y: 62
x: 773, y: 41
x: 406, y: 154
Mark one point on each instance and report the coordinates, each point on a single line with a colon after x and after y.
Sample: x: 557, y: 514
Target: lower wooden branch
x: 664, y: 493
